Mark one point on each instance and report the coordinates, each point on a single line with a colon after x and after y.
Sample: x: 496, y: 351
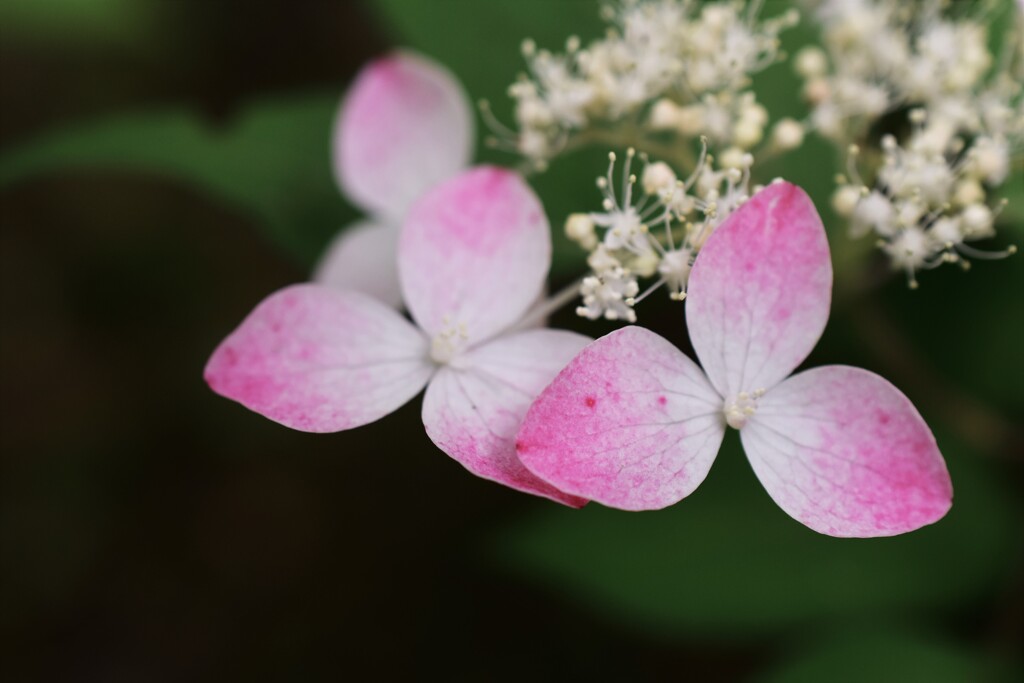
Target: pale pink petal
x: 474, y: 251
x: 760, y: 291
x: 473, y: 408
x: 631, y: 423
x: 320, y: 360
x: 363, y: 257
x: 843, y: 451
x: 404, y: 126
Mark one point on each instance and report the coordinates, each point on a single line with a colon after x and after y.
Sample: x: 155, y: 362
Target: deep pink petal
x: 320, y: 360
x: 474, y: 251
x: 363, y: 257
x: 843, y: 451
x: 760, y: 291
x: 473, y: 409
x: 404, y: 126
x: 631, y: 423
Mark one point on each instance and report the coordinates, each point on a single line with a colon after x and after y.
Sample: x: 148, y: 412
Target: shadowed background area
x: 164, y: 166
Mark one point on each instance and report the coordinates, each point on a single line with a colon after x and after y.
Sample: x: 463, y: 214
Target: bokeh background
x: 164, y: 165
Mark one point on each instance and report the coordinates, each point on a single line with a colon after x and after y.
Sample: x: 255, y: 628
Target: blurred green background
x: 164, y: 165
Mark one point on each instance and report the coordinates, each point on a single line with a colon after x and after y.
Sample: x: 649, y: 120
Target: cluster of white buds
x: 652, y: 231
x: 883, y: 54
x: 664, y: 65
x: 927, y: 203
x: 932, y: 191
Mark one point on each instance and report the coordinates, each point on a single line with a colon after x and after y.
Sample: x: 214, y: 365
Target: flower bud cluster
x: 932, y: 190
x: 664, y: 65
x: 883, y: 54
x: 926, y: 203
x: 651, y: 229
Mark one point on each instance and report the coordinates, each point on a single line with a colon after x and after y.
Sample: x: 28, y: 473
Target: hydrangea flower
x: 405, y: 126
x: 633, y: 423
x: 472, y: 257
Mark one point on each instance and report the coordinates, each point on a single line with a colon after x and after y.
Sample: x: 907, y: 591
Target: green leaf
x: 887, y: 655
x: 727, y: 562
x: 273, y: 162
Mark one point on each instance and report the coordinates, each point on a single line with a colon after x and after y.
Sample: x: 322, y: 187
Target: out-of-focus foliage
x: 968, y: 326
x: 273, y: 161
x: 78, y: 21
x: 727, y: 562
x: 886, y: 654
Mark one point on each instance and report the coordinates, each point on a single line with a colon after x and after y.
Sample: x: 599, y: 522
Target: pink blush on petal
x: 477, y: 215
x: 630, y: 423
x: 320, y: 360
x: 844, y: 452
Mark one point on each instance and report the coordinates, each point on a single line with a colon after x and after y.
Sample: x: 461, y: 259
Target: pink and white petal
x: 631, y: 423
x: 760, y: 290
x: 472, y: 410
x: 321, y: 360
x: 404, y: 126
x: 474, y: 251
x: 843, y: 451
x: 363, y: 258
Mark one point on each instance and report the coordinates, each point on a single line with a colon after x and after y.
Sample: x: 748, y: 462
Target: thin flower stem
x: 549, y: 306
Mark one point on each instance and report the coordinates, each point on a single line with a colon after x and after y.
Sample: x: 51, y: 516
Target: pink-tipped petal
x: 760, y: 291
x: 320, y: 360
x: 363, y: 257
x: 631, y: 423
x: 843, y: 451
x: 474, y: 252
x: 404, y: 126
x: 473, y: 409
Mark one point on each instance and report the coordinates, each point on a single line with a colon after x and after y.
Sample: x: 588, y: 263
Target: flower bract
x: 405, y: 126
x: 633, y: 423
x: 472, y: 258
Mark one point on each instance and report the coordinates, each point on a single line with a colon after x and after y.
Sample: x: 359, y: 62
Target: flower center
x: 741, y: 407
x: 448, y: 343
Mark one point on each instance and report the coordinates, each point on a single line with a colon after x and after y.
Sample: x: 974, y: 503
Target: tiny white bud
x: 810, y: 62
x: 658, y: 178
x: 817, y: 90
x: 844, y: 200
x: 732, y: 158
x: 746, y: 133
x: 664, y: 115
x: 968, y: 191
x: 977, y: 220
x: 788, y: 134
x: 580, y: 229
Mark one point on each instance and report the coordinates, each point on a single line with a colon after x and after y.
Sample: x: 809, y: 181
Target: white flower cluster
x: 653, y: 231
x: 967, y: 122
x: 883, y: 54
x: 927, y: 204
x: 664, y: 65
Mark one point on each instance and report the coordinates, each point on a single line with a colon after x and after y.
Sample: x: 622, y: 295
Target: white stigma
x: 448, y: 343
x: 741, y: 408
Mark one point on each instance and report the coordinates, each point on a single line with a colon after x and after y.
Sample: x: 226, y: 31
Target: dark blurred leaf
x: 727, y: 562
x: 1013, y: 214
x: 480, y: 41
x: 888, y: 655
x: 966, y: 327
x: 78, y: 20
x: 274, y: 161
